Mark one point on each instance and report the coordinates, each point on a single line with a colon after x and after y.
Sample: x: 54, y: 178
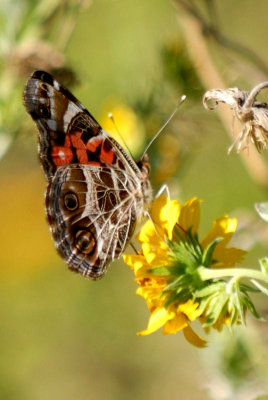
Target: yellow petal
x: 152, y: 284
x: 190, y: 309
x: 228, y: 224
x: 223, y: 227
x: 158, y: 204
x: 227, y: 257
x: 221, y: 321
x: 155, y: 256
x: 151, y: 294
x: 190, y: 215
x: 165, y: 214
x: 148, y: 233
x: 134, y: 261
x: 175, y: 324
x: 193, y: 338
x: 157, y: 319
x: 143, y: 271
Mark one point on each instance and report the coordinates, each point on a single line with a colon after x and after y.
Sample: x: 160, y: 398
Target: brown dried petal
x: 252, y: 114
x: 232, y: 97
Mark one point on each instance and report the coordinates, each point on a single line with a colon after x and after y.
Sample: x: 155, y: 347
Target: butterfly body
x: 96, y: 192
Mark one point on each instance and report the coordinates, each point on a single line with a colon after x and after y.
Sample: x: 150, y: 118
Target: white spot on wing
x: 61, y: 155
x: 69, y: 114
x: 56, y: 85
x: 52, y: 124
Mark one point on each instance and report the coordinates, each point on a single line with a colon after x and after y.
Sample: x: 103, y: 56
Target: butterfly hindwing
x: 92, y: 216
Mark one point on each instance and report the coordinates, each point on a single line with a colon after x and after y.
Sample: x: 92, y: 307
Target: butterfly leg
x: 133, y: 247
x: 148, y: 215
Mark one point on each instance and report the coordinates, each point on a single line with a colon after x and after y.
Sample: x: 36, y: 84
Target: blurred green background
x: 61, y: 336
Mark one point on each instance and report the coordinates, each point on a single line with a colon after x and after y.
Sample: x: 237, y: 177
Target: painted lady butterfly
x: 96, y: 192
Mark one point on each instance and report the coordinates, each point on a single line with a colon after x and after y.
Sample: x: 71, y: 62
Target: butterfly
x: 96, y: 192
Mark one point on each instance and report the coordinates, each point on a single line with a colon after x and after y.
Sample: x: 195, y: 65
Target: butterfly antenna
x: 110, y: 115
x: 182, y: 99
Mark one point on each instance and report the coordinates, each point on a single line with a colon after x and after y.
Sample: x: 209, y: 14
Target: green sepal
x: 180, y: 282
x: 237, y: 300
x: 173, y: 285
x: 203, y: 304
x: 250, y: 306
x: 260, y: 287
x: 233, y: 315
x: 166, y: 270
x: 247, y: 288
x: 264, y: 264
x: 183, y: 254
x: 216, y: 309
x: 180, y: 297
x: 187, y: 250
x: 210, y: 289
x: 208, y: 252
x: 174, y: 297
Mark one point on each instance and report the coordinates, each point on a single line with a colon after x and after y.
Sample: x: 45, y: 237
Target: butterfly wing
x: 92, y: 212
x: 68, y: 133
x: 95, y: 194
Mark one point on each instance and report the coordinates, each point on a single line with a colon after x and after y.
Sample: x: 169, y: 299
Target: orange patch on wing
x: 77, y: 142
x: 94, y: 163
x: 67, y: 141
x: 107, y: 156
x: 93, y: 144
x: 82, y: 156
x: 61, y: 155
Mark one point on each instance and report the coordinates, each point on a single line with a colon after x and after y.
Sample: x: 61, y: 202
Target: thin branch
x: 211, y: 78
x: 210, y: 29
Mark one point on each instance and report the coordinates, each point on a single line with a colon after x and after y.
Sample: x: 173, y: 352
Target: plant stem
x: 207, y: 273
x: 252, y: 95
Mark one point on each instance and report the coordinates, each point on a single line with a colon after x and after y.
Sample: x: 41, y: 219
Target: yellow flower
x: 166, y: 268
x: 127, y: 123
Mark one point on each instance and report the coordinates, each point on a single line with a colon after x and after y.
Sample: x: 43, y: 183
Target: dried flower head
x: 252, y: 114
